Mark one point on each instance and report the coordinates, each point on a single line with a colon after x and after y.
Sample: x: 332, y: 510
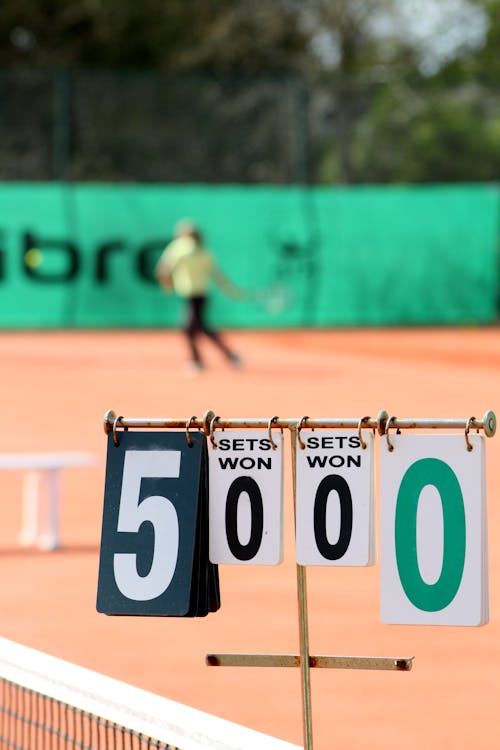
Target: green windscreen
x: 83, y: 255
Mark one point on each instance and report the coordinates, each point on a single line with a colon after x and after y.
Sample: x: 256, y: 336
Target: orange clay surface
x: 56, y: 387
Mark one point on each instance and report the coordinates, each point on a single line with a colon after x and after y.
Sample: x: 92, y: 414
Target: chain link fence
x: 144, y: 126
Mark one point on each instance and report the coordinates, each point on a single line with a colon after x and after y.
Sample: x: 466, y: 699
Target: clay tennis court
x: 56, y: 387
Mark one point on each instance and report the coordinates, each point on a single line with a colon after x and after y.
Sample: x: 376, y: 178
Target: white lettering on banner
x: 246, y: 499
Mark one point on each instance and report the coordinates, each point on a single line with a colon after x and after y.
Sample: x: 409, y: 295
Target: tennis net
x: 47, y: 703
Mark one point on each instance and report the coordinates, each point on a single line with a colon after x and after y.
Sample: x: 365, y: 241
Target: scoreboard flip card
x: 335, y: 523
x: 433, y: 537
x: 154, y: 542
x: 246, y: 498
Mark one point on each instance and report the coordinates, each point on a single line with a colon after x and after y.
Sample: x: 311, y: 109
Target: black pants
x: 196, y: 325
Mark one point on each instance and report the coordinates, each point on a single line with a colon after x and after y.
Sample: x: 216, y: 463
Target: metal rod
x: 303, y: 623
x: 397, y: 664
x: 394, y: 663
x: 487, y: 423
x: 253, y: 660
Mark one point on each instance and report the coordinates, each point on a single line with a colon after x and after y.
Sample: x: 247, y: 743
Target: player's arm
x: 163, y: 271
x: 226, y: 286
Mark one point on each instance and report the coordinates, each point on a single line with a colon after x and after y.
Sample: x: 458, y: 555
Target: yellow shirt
x: 190, y: 265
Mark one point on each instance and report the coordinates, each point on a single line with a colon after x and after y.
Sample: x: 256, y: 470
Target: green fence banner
x: 82, y: 255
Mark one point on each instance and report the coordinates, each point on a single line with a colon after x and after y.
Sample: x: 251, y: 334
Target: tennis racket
x: 274, y: 299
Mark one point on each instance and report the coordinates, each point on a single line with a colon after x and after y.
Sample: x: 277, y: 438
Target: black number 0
x: 336, y: 483
x: 250, y: 486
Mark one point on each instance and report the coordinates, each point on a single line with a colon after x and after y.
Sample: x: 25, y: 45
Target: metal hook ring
x: 212, y: 428
x: 206, y: 421
x: 300, y: 424
x: 269, y: 425
x: 387, y: 426
x: 109, y: 418
x: 115, y: 437
x: 382, y: 418
x: 188, y: 436
x: 360, y: 424
x: 468, y: 443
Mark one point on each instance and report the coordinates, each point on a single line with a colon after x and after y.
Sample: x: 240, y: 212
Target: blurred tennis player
x: 188, y: 268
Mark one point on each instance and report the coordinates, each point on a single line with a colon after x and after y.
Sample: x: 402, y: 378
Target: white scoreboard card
x: 246, y: 498
x: 335, y: 499
x: 433, y: 536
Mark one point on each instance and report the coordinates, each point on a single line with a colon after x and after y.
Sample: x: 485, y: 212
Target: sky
x: 440, y: 30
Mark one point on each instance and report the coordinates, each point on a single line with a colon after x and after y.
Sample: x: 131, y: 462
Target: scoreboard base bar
x: 322, y: 662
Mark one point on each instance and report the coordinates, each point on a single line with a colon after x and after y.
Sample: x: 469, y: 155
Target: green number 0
x: 436, y: 596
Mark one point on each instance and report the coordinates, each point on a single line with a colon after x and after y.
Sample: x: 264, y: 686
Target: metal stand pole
x: 303, y: 625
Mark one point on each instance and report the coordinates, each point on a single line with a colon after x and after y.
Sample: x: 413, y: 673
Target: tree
x: 403, y: 90
x: 195, y: 35
x: 439, y: 127
x: 349, y: 56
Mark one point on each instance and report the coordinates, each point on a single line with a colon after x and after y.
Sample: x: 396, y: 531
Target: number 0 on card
x: 335, y: 499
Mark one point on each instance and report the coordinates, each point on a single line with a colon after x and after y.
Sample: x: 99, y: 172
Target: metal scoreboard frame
x: 440, y: 477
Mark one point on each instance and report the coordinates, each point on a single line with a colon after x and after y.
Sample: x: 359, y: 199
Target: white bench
x: 40, y: 520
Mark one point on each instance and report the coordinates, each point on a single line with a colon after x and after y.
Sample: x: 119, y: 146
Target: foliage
x: 376, y: 113
x: 203, y: 35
